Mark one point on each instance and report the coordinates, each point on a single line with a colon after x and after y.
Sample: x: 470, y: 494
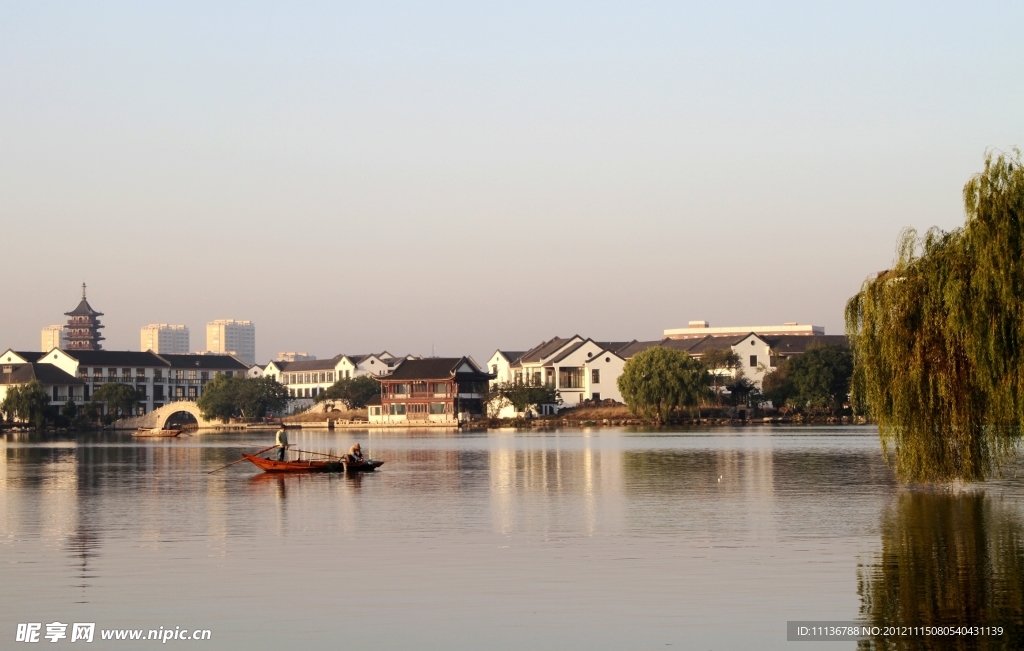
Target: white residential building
x: 309, y: 378
x: 578, y: 369
x: 698, y: 329
x: 157, y: 379
x: 164, y: 338
x: 227, y: 336
x: 55, y: 336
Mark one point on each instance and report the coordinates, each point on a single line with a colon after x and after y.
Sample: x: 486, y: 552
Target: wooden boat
x: 312, y: 465
x: 147, y: 432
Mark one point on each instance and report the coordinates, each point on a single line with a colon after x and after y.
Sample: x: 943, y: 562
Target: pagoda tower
x: 84, y: 326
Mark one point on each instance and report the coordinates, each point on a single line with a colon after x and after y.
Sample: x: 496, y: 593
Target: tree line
x: 660, y: 383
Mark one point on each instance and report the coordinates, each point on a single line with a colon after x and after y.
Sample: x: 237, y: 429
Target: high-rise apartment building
x: 164, y: 338
x: 294, y: 356
x: 237, y: 338
x: 55, y: 336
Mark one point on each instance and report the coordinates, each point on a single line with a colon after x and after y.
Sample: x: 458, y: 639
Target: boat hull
x: 156, y: 433
x: 273, y: 465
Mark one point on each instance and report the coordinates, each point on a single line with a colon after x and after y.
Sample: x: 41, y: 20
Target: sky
x: 460, y: 177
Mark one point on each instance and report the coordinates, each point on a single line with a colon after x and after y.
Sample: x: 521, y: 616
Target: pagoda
x: 84, y: 326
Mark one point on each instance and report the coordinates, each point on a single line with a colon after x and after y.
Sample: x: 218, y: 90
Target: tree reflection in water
x: 947, y: 560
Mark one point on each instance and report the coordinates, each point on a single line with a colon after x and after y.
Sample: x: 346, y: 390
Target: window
x: 519, y: 377
x: 596, y: 397
x: 595, y: 376
x: 417, y: 407
x: 126, y: 372
x: 330, y: 377
x: 494, y: 369
x: 570, y: 377
x: 204, y: 375
x: 400, y: 389
x: 752, y: 342
x: 191, y: 375
x: 397, y: 408
x: 437, y: 407
x: 753, y: 360
x: 374, y: 411
x: 536, y: 378
x: 158, y: 374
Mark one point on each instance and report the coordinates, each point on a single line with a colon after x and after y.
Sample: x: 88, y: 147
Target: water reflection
x: 947, y: 559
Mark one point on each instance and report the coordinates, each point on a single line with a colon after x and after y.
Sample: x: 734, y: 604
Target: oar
x: 241, y: 460
x: 333, y: 456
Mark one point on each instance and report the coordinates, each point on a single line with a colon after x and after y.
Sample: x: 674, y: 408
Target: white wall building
x: 158, y: 379
x: 164, y: 338
x: 227, y: 336
x: 307, y: 379
x: 697, y: 329
x: 55, y: 336
x: 578, y: 369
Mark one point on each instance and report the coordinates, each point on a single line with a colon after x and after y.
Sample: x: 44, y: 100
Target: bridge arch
x: 170, y: 410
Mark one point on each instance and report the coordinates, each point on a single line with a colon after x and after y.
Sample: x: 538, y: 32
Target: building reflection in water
x: 555, y: 483
x: 947, y: 559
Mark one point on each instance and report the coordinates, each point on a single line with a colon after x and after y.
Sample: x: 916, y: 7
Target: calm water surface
x: 575, y: 539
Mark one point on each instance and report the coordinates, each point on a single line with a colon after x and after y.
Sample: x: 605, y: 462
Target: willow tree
x: 938, y: 340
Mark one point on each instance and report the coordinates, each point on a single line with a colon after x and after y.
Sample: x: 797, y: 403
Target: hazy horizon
x: 354, y: 178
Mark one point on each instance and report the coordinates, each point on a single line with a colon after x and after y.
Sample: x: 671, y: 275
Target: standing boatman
x: 282, y: 443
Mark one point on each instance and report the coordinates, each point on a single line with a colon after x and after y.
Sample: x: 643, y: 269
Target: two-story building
x: 432, y: 390
x: 578, y: 369
x: 157, y: 379
x: 19, y: 368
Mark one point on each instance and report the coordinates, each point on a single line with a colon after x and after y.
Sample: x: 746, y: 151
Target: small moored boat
x: 312, y: 465
x: 147, y: 432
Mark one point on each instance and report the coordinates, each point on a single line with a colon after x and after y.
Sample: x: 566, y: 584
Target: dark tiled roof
x: 47, y: 374
x: 309, y: 365
x: 568, y: 351
x: 432, y: 368
x: 635, y: 347
x: 793, y: 344
x: 512, y: 355
x: 219, y: 362
x: 117, y: 358
x: 545, y: 349
x: 375, y: 400
x: 28, y: 356
x: 83, y: 309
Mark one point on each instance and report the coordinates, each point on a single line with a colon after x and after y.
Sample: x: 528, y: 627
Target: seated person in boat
x: 282, y: 443
x: 355, y: 455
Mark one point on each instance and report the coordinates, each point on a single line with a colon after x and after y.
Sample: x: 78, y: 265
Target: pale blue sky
x: 469, y: 175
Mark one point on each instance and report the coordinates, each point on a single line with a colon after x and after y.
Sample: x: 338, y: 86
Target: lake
x: 565, y: 539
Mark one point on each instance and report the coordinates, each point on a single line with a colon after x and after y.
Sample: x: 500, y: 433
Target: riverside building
x: 157, y: 379
x: 230, y: 337
x: 164, y: 338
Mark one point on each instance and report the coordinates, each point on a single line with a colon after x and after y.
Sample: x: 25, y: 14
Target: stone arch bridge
x: 159, y: 417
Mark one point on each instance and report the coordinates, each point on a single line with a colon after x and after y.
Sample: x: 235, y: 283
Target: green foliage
x: 721, y: 362
x: 658, y: 380
x: 522, y: 397
x: 353, y: 392
x: 225, y: 398
x: 938, y: 340
x: 818, y: 380
x: 26, y: 403
x: 69, y: 410
x: 821, y: 377
x: 778, y: 387
x: 121, y: 399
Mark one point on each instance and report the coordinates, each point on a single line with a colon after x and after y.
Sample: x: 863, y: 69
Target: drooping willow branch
x: 938, y: 340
